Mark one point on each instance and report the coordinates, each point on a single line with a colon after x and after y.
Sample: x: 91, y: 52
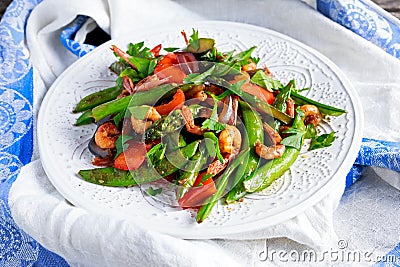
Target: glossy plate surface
x: 63, y: 147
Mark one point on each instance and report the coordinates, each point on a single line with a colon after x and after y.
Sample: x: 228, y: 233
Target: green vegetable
x: 273, y: 169
x: 297, y: 131
x: 221, y: 184
x: 269, y: 172
x: 85, y: 118
x: 188, y: 177
x: 140, y: 98
x: 254, y: 133
x: 212, y: 123
x: 213, y: 146
x: 110, y: 176
x: 153, y: 192
x: 171, y: 49
x: 200, y: 46
x: 156, y: 154
x: 324, y: 140
x: 95, y: 99
x: 280, y: 101
x: 262, y: 79
x: 325, y: 109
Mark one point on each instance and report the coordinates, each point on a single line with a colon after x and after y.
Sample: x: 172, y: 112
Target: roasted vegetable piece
x: 202, y: 46
x: 132, y: 157
x: 95, y: 99
x: 255, y: 133
x: 176, y: 103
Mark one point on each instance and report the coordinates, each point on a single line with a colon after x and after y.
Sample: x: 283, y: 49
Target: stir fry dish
x: 213, y: 124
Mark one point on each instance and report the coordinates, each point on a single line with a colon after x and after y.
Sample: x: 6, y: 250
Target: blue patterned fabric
x: 16, y: 98
x: 360, y: 17
x: 16, y: 135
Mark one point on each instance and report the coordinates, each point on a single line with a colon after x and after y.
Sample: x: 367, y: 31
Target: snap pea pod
x: 221, y: 184
x: 85, y: 118
x: 110, y: 176
x: 325, y: 109
x: 187, y: 178
x: 149, y: 97
x: 273, y: 169
x: 269, y: 172
x: 140, y: 98
x: 95, y: 99
x: 254, y: 132
x: 253, y: 100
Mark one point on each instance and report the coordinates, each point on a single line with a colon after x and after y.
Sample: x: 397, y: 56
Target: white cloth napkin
x: 88, y: 239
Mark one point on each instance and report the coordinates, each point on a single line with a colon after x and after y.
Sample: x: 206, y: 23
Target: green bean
x: 254, y: 101
x: 188, y: 177
x: 325, y: 109
x: 85, y: 118
x: 110, y: 176
x: 95, y: 99
x: 254, y: 132
x: 221, y: 184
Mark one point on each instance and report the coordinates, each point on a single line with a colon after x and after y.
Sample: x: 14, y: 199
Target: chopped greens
x: 153, y: 192
x: 262, y: 79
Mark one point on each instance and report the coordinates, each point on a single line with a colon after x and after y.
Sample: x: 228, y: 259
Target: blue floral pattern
x: 362, y: 19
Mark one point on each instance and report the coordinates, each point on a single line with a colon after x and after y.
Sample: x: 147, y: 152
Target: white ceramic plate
x: 63, y: 147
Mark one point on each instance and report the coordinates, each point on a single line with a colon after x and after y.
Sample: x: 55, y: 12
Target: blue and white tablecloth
x: 16, y: 110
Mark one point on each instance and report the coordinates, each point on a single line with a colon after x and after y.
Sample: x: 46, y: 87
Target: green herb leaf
x: 262, y: 79
x: 145, y: 66
x: 120, y: 144
x: 214, y: 138
x: 139, y: 50
x: 297, y: 131
x: 194, y: 40
x: 212, y: 123
x: 311, y: 132
x: 323, y: 140
x: 153, y: 192
x: 171, y: 49
x: 198, y: 78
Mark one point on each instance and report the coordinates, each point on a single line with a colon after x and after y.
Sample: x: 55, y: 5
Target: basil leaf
x: 262, y: 79
x: 194, y: 40
x: 323, y: 140
x: 297, y: 131
x: 214, y: 138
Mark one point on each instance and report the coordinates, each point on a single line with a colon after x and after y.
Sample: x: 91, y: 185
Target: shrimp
x: 140, y: 126
x: 106, y: 135
x: 273, y: 135
x: 311, y: 115
x: 189, y: 122
x: 229, y: 143
x: 270, y: 152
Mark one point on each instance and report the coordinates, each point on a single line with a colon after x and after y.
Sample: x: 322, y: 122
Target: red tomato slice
x: 132, y: 158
